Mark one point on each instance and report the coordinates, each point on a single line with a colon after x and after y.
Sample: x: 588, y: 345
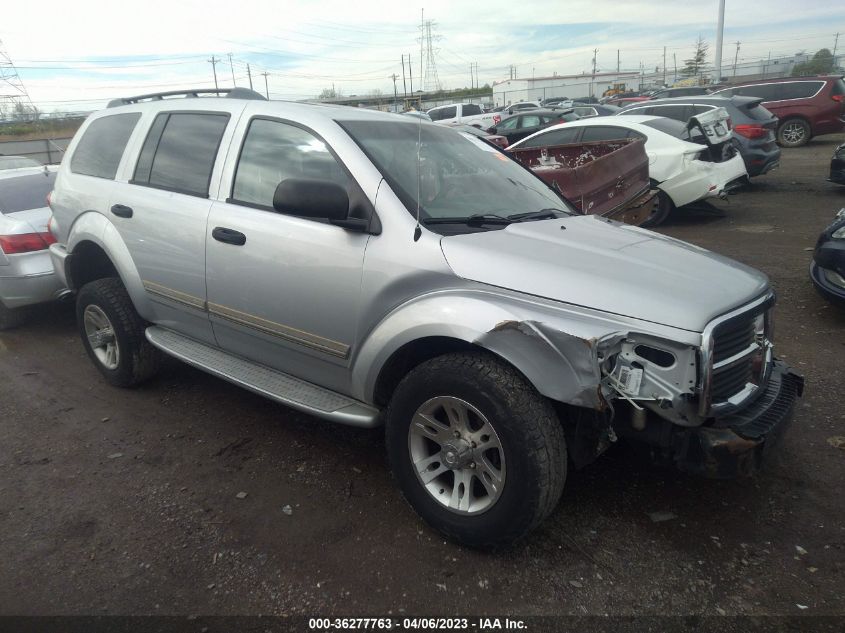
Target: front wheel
x: 113, y: 333
x: 477, y: 452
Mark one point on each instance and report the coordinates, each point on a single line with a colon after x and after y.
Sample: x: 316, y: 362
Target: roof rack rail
x: 230, y: 93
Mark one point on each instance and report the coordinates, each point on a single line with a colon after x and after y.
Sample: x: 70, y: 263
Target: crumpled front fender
x: 558, y: 354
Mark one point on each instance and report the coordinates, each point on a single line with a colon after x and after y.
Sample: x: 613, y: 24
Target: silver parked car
x: 27, y: 276
x: 370, y: 270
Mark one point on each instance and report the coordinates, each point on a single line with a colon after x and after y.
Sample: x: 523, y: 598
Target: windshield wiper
x: 477, y: 219
x: 542, y: 214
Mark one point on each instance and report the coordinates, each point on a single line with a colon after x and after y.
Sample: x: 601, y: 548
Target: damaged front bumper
x: 736, y: 445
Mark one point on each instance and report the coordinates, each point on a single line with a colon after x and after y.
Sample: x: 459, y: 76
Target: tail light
x: 25, y: 242
x: 838, y: 98
x: 49, y: 198
x: 751, y: 131
x: 496, y: 119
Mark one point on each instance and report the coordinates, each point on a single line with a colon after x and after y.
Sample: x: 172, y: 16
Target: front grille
x: 731, y: 380
x: 742, y: 356
x: 733, y: 337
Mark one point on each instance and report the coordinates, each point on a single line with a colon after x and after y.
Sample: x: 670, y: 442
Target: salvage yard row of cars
x: 373, y: 269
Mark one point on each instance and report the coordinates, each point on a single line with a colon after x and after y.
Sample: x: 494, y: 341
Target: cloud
x: 112, y: 50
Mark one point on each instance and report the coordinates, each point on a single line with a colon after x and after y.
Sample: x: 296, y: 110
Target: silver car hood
x: 610, y: 267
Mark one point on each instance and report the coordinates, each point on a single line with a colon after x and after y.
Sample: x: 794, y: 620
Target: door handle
x: 121, y: 210
x: 228, y: 236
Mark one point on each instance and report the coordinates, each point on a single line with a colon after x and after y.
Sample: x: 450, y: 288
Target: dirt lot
x: 125, y: 502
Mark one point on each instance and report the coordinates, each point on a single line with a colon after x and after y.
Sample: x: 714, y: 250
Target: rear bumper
x: 636, y: 211
x: 703, y: 179
x: 759, y: 161
x: 737, y: 445
x: 29, y: 279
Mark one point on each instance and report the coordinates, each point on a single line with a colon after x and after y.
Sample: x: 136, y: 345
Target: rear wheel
x: 793, y: 133
x: 477, y: 452
x: 661, y: 207
x: 11, y: 317
x: 113, y: 333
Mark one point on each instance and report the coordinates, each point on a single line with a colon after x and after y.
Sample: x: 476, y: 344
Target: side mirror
x: 309, y: 198
x: 492, y: 130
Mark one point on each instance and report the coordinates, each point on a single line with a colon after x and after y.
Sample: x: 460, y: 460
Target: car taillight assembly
x: 496, y: 119
x: 49, y: 197
x: 838, y: 98
x: 751, y: 131
x: 25, y: 243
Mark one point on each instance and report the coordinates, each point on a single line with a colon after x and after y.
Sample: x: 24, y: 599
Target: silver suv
x: 368, y: 269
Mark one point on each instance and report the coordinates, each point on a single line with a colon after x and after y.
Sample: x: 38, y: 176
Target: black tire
x: 793, y: 133
x: 526, y: 423
x: 137, y: 359
x: 662, y: 207
x: 11, y: 317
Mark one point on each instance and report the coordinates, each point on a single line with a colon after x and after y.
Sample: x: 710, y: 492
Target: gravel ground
x: 131, y: 501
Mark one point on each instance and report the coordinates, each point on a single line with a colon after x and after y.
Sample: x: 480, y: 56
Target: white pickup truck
x: 464, y: 114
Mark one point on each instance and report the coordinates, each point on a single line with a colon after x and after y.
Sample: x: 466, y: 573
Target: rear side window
x: 529, y: 120
x: 446, y: 113
x: 180, y: 151
x: 800, y: 89
x: 765, y: 92
x: 627, y: 111
x: 603, y: 133
x: 274, y: 151
x: 101, y: 146
x: 470, y: 109
x: 677, y: 112
x: 563, y: 136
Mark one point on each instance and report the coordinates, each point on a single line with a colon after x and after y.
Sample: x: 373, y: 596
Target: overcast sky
x: 74, y: 55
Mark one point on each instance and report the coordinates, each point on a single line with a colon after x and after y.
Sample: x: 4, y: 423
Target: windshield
x: 17, y: 162
x: 25, y: 192
x: 459, y: 176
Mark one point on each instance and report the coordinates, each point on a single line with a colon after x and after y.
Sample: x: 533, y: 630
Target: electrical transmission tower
x: 431, y: 82
x: 14, y: 99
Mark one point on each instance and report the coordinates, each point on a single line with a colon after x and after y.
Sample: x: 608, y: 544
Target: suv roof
x: 230, y: 93
x: 777, y: 80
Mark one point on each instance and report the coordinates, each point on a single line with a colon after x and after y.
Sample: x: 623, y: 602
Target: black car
x: 518, y: 126
x: 754, y: 127
x: 837, y: 166
x: 828, y: 268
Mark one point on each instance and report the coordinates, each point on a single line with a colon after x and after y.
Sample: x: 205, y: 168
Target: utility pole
x: 471, y: 80
x: 768, y: 61
x: 214, y: 61
x: 410, y: 75
x: 395, y: 95
x: 720, y: 30
x: 736, y: 57
x: 266, y: 87
x: 675, y: 60
x: 617, y: 62
x: 664, y: 65
x: 404, y: 81
x: 835, y: 45
x: 593, y: 78
x: 233, y: 69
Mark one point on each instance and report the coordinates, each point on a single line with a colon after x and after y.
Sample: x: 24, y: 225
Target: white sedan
x: 685, y: 164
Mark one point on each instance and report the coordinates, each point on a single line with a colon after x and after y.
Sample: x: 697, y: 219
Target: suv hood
x: 607, y: 266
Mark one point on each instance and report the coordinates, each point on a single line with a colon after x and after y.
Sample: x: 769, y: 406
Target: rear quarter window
x: 799, y: 89
x: 99, y: 150
x: 470, y: 109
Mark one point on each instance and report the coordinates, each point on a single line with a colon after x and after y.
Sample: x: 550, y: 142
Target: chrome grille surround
x: 736, y: 357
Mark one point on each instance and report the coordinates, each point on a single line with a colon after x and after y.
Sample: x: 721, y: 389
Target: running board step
x: 262, y: 380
